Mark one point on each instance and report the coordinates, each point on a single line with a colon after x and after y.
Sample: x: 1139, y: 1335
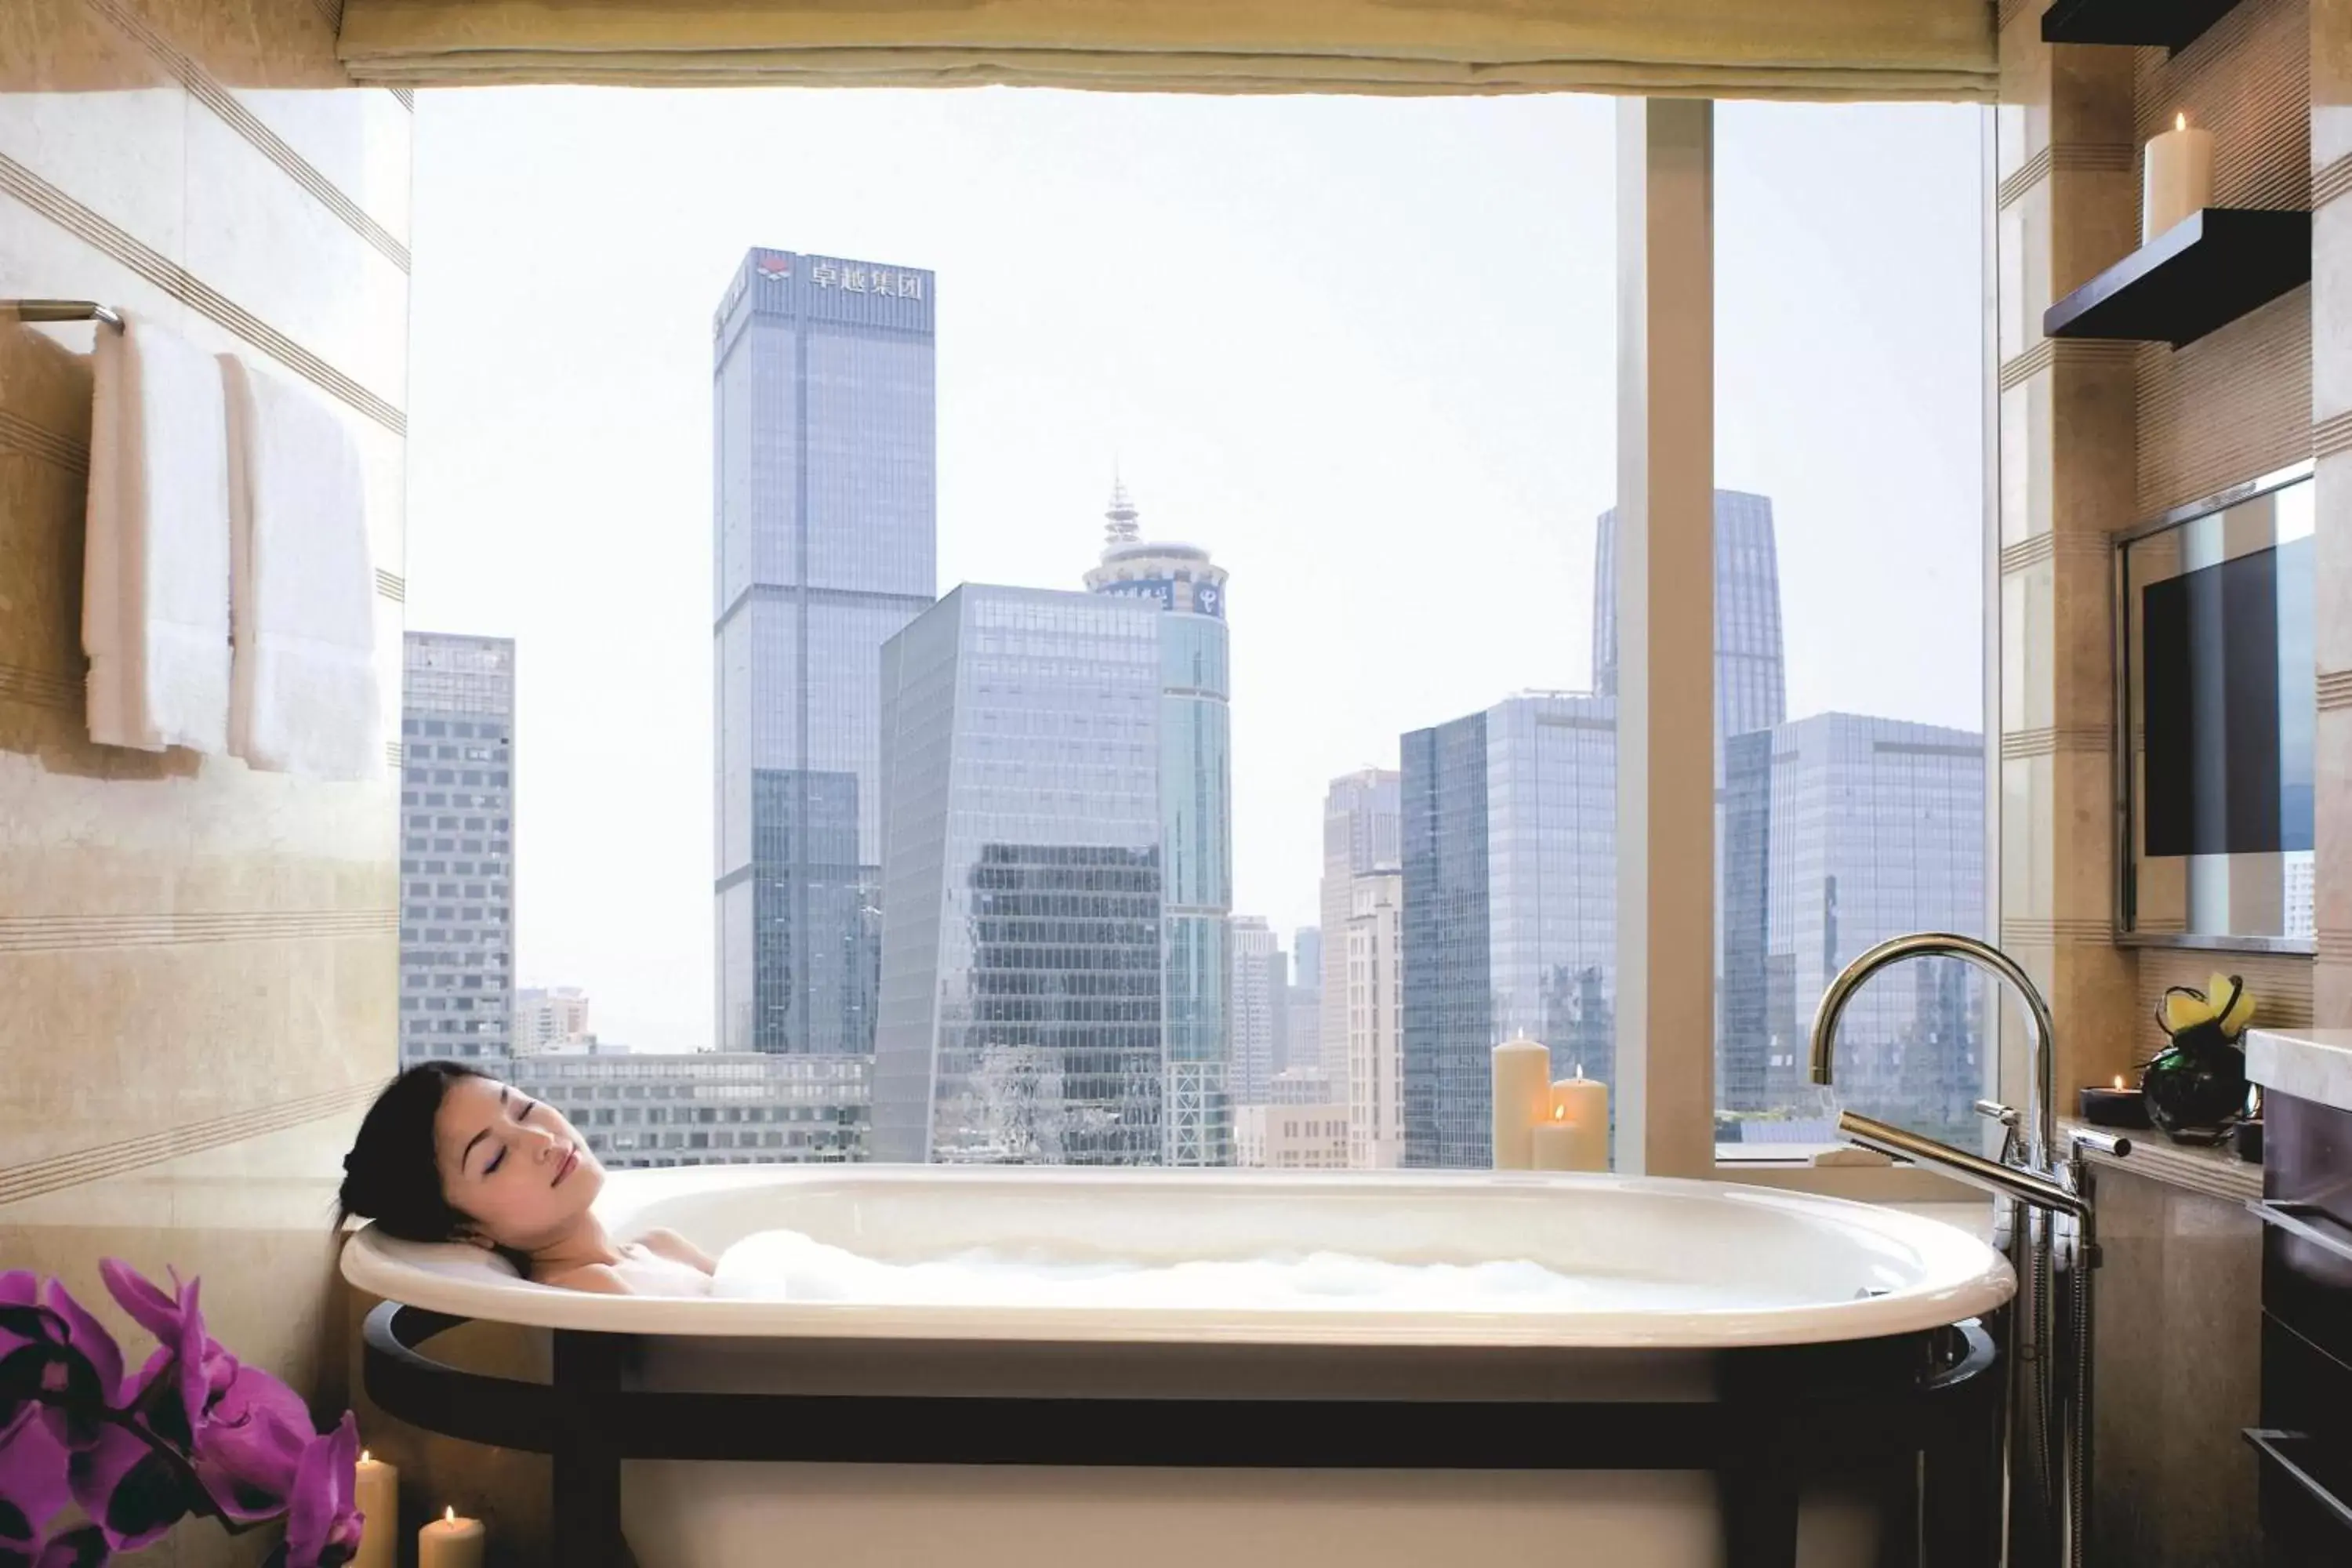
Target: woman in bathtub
x: 449, y: 1154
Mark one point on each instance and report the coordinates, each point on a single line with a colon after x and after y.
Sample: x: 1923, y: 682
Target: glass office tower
x: 1844, y: 830
x: 1188, y: 589
x: 1023, y: 882
x: 1510, y: 907
x: 826, y: 539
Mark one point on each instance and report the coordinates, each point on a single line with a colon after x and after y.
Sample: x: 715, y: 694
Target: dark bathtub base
x: 1925, y: 1409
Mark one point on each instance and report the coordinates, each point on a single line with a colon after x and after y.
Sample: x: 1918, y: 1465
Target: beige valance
x: 1823, y: 49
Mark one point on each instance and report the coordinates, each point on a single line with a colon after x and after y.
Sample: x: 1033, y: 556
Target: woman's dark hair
x: 393, y: 1174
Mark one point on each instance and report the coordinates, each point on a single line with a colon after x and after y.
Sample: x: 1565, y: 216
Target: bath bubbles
x: 786, y: 1265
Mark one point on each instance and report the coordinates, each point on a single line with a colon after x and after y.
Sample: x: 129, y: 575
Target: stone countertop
x: 2217, y: 1172
x: 2309, y: 1064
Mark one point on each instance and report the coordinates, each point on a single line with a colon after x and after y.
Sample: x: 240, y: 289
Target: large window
x: 971, y: 558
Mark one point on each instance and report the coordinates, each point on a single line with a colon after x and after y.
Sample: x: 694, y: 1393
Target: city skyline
x: 1303, y: 327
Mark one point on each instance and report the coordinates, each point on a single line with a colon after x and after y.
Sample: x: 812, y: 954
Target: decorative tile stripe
x: 18, y: 434
x: 159, y: 269
x: 2051, y: 352
x: 2334, y: 181
x: 391, y: 585
x: 233, y: 113
x: 2069, y: 157
x: 2051, y: 933
x: 332, y: 10
x: 2336, y: 689
x: 73, y: 933
x: 79, y: 1166
x: 40, y: 689
x: 2335, y: 946
x: 407, y: 97
x: 2072, y: 738
x: 2008, y: 12
x: 2095, y: 157
x: 392, y: 753
x: 2028, y: 552
x: 2030, y: 363
x: 2332, y: 436
x: 2030, y: 173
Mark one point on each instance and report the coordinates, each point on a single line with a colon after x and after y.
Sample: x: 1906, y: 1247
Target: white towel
x: 303, y: 700
x: 155, y: 559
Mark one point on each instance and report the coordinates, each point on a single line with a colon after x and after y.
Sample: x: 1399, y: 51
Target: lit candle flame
x: 2180, y: 123
x: 450, y: 1515
x: 2120, y: 1081
x: 363, y: 1456
x: 1560, y: 1113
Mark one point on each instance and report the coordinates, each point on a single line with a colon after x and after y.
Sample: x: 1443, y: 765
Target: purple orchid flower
x: 246, y: 1431
x: 32, y: 1490
x: 322, y: 1522
x: 56, y: 1356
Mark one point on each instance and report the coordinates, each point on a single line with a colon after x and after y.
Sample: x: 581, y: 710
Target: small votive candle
x: 450, y: 1542
x: 375, y: 1491
x: 2176, y: 177
x: 1576, y: 1136
x: 2118, y: 1106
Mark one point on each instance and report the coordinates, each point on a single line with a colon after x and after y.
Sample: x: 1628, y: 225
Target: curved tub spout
x: 2041, y: 1118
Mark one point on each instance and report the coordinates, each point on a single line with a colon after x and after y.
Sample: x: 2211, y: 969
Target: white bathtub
x: 1786, y: 1270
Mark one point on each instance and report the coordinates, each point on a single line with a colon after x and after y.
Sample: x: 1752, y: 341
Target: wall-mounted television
x: 2218, y: 708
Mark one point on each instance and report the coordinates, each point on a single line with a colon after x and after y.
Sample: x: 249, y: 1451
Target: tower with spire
x: 1196, y: 820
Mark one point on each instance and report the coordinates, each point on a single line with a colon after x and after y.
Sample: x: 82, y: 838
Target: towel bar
x: 62, y: 310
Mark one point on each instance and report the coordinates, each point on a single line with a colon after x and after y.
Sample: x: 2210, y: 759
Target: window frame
x: 1666, y: 829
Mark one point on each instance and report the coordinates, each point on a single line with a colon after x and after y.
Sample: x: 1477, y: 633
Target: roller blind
x: 1819, y: 49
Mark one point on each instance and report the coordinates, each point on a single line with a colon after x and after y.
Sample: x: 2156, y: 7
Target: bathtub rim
x: 1974, y: 1279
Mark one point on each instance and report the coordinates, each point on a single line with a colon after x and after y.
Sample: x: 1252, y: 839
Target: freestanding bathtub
x: 1757, y: 1377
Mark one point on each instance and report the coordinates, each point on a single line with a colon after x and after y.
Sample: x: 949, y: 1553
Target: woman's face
x: 513, y: 1165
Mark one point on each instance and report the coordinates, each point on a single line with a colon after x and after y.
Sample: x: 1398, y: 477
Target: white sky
x: 1364, y: 349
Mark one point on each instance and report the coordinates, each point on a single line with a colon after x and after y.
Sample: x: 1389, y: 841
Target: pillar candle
x: 450, y: 1542
x: 375, y: 1491
x: 1576, y: 1137
x: 1522, y: 1079
x: 2176, y: 177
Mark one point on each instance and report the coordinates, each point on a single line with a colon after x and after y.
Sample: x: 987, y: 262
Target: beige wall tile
x: 192, y: 956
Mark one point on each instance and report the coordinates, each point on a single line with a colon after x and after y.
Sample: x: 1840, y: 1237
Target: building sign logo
x: 866, y: 279
x: 775, y: 267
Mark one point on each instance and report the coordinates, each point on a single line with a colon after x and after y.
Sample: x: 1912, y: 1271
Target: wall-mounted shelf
x: 2201, y: 274
x: 2171, y: 24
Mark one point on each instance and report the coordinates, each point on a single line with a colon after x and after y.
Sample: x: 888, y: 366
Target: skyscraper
x: 457, y: 848
x: 826, y: 546
x: 1261, y: 977
x: 1196, y: 816
x: 1375, y: 1023
x: 1751, y: 689
x: 1302, y: 1044
x: 1022, y: 967
x: 1360, y: 836
x: 1841, y: 831
x: 1509, y: 917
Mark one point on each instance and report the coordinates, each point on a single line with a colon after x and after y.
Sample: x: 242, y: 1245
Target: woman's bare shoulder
x: 671, y: 1245
x: 602, y: 1278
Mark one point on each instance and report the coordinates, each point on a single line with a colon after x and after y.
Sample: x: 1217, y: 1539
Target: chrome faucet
x: 2045, y: 1227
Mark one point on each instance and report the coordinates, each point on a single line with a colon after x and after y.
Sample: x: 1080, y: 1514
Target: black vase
x: 2196, y: 1088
